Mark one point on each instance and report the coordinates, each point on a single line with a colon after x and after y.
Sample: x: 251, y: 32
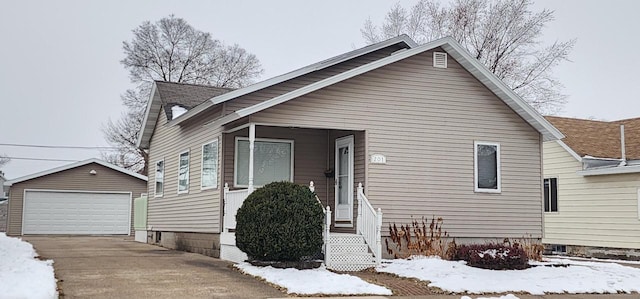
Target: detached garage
x: 90, y: 197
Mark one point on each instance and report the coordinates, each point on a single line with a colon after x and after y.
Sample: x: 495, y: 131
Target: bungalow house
x: 592, y: 188
x: 385, y: 133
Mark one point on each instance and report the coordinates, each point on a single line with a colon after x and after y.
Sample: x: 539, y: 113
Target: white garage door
x: 47, y: 212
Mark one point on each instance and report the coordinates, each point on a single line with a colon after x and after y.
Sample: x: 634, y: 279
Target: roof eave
x: 293, y: 74
x: 487, y: 78
x: 146, y: 131
x: 610, y: 170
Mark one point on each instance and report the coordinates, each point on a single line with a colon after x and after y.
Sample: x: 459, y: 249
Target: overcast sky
x: 61, y: 80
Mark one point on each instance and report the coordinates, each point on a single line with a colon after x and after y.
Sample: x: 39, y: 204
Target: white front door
x: 344, y: 181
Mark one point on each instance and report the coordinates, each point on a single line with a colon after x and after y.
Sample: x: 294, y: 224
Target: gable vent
x: 440, y: 60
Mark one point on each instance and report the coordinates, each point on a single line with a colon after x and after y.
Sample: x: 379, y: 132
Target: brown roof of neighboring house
x: 185, y: 95
x: 599, y: 138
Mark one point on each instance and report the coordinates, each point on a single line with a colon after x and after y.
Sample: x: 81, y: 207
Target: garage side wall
x: 76, y: 179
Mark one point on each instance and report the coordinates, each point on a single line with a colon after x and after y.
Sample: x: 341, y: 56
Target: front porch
x: 333, y: 160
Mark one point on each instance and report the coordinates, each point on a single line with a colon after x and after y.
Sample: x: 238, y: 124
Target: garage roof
x: 74, y: 165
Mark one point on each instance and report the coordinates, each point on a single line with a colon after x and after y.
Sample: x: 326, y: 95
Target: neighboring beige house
x: 427, y: 130
x: 90, y: 197
x: 592, y: 184
x: 3, y: 203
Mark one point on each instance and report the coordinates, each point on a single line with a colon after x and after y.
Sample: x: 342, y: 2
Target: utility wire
x: 60, y: 146
x: 41, y: 159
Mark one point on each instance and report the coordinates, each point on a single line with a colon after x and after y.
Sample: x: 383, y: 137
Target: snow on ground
x: 21, y: 275
x: 577, y: 277
x: 593, y: 259
x: 314, y: 281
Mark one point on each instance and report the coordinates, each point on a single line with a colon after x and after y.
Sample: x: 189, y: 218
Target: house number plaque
x: 378, y: 159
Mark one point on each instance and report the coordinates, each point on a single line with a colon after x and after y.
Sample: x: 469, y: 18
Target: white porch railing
x: 326, y: 227
x: 232, y: 202
x: 369, y: 224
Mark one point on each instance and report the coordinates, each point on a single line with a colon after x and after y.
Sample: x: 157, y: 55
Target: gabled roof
x: 599, y: 139
x: 455, y: 50
x: 401, y: 39
x: 169, y: 94
x: 74, y: 165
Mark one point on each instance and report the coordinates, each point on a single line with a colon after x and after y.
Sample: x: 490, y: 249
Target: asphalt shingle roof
x: 599, y: 138
x: 185, y: 95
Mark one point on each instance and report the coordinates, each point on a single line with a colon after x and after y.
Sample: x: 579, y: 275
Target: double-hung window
x: 183, y: 172
x: 209, y: 166
x: 551, y: 195
x: 272, y: 161
x: 159, y: 186
x: 487, y: 167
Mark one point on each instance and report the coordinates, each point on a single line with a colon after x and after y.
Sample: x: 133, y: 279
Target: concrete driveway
x: 118, y: 267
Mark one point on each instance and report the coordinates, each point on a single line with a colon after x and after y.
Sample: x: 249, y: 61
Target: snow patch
x: 176, y: 111
x: 508, y: 296
x: 21, y: 274
x: 314, y: 281
x: 577, y: 277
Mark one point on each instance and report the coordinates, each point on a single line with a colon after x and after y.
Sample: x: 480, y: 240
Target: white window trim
x: 475, y: 167
x: 155, y: 179
x: 549, y: 178
x: 215, y: 186
x: 235, y: 158
x: 188, y: 171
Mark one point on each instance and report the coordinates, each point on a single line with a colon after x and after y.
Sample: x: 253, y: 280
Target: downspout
x: 622, y: 148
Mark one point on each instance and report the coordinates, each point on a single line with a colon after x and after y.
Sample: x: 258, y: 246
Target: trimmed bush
x: 493, y: 256
x: 281, y: 221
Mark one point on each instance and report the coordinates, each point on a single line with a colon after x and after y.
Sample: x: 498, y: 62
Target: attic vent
x: 440, y: 60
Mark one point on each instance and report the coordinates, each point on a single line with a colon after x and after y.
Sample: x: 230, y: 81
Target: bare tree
x: 4, y: 159
x: 502, y: 34
x: 171, y: 50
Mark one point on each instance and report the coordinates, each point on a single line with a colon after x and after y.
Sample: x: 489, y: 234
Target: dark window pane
x: 487, y: 166
x: 546, y: 195
x: 554, y: 194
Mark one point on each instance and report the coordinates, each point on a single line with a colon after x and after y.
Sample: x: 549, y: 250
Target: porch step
x: 349, y: 252
x: 351, y: 261
x: 346, y: 239
x: 349, y: 248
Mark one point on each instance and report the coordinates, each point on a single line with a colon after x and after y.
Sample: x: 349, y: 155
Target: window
x: 159, y: 178
x: 209, y: 166
x: 551, y: 195
x: 272, y: 161
x: 558, y: 249
x: 183, y: 173
x: 487, y: 167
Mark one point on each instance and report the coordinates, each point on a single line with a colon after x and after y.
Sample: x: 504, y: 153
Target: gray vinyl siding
x: 75, y: 179
x: 599, y: 211
x: 295, y: 83
x: 195, y: 211
x: 425, y: 121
